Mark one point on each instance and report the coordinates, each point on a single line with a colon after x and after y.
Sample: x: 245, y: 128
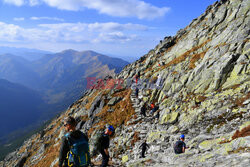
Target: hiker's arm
x: 106, y: 152
x: 183, y: 149
x: 63, y: 151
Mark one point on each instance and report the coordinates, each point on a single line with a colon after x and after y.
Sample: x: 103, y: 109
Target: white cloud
x: 71, y: 32
x: 112, y: 26
x: 18, y: 19
x: 120, y: 8
x: 34, y: 2
x: 47, y: 18
x: 22, y: 2
x: 114, y: 36
x: 15, y: 2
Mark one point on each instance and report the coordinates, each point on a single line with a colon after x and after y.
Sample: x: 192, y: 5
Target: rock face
x: 201, y: 87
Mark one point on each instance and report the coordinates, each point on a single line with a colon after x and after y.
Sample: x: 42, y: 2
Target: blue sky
x: 121, y: 28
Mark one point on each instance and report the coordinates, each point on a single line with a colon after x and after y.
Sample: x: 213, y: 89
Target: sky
x: 121, y: 28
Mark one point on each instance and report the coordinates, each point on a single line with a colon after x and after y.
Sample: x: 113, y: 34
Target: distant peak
x: 69, y: 51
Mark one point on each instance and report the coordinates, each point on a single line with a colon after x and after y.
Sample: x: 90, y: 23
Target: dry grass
x: 195, y: 58
x: 154, y: 79
x: 246, y: 40
x: 148, y: 69
x: 239, y: 133
x: 51, y: 154
x: 135, y: 138
x: 240, y: 150
x: 224, y: 141
x: 235, y: 86
x: 91, y: 99
x: 221, y: 44
x: 201, y: 98
x: 239, y: 102
x: 85, y: 117
x: 123, y: 112
x: 120, y: 94
x: 242, y: 133
x: 187, y: 54
x: 174, y: 72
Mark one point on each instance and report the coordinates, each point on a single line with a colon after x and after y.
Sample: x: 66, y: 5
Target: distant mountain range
x: 56, y: 74
x: 28, y: 54
x: 32, y: 91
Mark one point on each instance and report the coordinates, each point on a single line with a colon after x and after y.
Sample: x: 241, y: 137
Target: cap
x: 111, y: 128
x: 182, y: 136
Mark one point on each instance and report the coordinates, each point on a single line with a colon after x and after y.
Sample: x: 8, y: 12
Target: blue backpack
x: 78, y: 156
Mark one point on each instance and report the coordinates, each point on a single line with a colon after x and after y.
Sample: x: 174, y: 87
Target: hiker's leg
x: 143, y: 153
x: 105, y: 159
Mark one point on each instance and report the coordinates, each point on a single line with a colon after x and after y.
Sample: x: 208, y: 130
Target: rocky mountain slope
x: 199, y: 77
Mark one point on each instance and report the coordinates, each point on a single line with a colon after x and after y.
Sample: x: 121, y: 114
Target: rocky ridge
x: 199, y: 77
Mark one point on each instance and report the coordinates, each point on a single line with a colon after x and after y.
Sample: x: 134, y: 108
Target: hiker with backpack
x: 103, y: 144
x: 180, y: 146
x: 74, y: 151
x: 144, y: 147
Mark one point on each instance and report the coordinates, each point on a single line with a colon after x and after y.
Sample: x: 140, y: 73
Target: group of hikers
x: 74, y: 150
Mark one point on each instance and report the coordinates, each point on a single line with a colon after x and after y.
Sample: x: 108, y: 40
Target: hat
x: 111, y: 128
x: 182, y: 136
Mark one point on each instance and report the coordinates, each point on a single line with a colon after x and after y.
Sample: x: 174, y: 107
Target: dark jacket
x: 178, y: 147
x: 65, y: 148
x: 144, y: 146
x: 103, y: 142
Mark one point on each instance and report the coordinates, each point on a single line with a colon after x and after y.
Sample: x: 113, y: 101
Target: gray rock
x: 114, y: 100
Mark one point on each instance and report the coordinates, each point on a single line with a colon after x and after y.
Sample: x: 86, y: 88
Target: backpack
x: 78, y: 156
x: 178, y: 147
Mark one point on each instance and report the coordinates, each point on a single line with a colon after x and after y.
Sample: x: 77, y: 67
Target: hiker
x: 180, y: 146
x: 103, y: 145
x: 152, y: 105
x: 144, y: 147
x: 137, y: 76
x: 154, y: 108
x: 136, y: 92
x: 74, y: 149
x: 143, y: 110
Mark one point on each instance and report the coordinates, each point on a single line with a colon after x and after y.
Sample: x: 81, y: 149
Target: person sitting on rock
x: 154, y: 108
x: 144, y: 147
x: 180, y: 146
